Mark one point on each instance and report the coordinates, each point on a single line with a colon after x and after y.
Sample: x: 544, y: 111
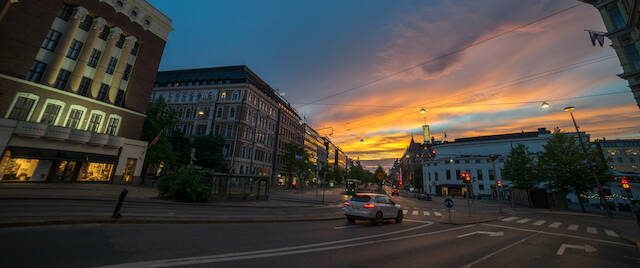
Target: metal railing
x: 225, y: 187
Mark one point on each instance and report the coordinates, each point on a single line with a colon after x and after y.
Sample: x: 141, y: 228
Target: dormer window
x: 147, y: 22
x: 120, y: 3
x: 134, y: 13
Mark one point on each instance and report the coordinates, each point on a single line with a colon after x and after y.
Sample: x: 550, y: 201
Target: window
x: 219, y: 113
x: 120, y: 41
x: 112, y: 65
x: 86, y: 23
x: 93, y: 59
x: 74, y: 49
x: 191, y: 96
x: 113, y: 124
x: 492, y: 174
x: 435, y: 176
x: 202, y: 129
x: 232, y: 113
x: 65, y: 12
x: 120, y: 98
x: 74, y: 118
x: 481, y: 187
x: 36, y: 71
x: 229, y: 130
x: 61, y: 80
x: 51, y: 40
x: 105, y: 33
x: 480, y: 174
x: 448, y: 174
x: 458, y: 175
x: 95, y: 121
x: 234, y: 96
x: 50, y: 113
x: 217, y: 130
x: 223, y: 95
x: 23, y: 107
x: 616, y: 18
x: 85, y: 87
x: 134, y: 50
x: 103, y: 94
x: 127, y: 72
x: 634, y: 57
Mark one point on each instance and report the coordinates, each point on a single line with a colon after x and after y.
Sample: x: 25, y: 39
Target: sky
x: 363, y: 69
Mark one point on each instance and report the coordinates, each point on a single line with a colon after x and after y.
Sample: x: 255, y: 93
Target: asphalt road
x: 528, y: 240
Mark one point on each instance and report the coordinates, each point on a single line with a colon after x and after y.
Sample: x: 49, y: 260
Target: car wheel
x: 351, y: 219
x: 399, y: 217
x: 378, y: 219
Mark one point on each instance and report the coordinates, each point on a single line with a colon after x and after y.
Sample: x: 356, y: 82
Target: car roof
x: 372, y: 194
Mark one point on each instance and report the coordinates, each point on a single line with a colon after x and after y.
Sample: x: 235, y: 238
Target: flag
x: 157, y: 138
x: 596, y: 36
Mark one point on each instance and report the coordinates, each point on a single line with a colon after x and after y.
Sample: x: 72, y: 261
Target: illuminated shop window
x: 91, y: 171
x: 18, y: 169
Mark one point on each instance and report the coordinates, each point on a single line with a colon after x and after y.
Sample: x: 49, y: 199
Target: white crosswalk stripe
x: 538, y: 223
x: 426, y: 213
x: 509, y: 219
x: 404, y: 211
x: 525, y: 220
x: 437, y: 213
x: 592, y: 230
x: 610, y: 233
x: 555, y: 225
x: 414, y: 213
x: 572, y: 227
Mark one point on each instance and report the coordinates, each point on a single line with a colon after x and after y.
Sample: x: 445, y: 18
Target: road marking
x: 610, y: 233
x: 346, y: 226
x: 586, y: 248
x: 404, y: 211
x: 592, y: 230
x: 509, y: 219
x: 572, y: 227
x: 538, y: 223
x: 482, y: 232
x: 418, y: 221
x: 273, y: 252
x: 426, y: 213
x: 525, y: 220
x: 498, y: 251
x: 560, y: 234
x: 555, y: 225
x: 437, y: 213
x: 414, y: 213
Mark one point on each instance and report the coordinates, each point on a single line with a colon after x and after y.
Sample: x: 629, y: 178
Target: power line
x: 445, y: 55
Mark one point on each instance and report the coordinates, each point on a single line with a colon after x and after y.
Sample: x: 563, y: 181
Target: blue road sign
x: 448, y: 203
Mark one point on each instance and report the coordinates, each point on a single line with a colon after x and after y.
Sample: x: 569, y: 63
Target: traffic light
x: 625, y: 184
x: 466, y: 177
x: 499, y: 183
x: 433, y: 153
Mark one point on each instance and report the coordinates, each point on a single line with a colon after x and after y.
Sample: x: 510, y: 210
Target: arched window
x: 234, y: 96
x: 219, y: 113
x: 232, y: 113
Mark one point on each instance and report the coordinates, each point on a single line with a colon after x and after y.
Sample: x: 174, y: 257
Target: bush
x: 185, y: 184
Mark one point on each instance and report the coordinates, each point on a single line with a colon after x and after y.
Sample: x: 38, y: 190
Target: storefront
x: 22, y: 164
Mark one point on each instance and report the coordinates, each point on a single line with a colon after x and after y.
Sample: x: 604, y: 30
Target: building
x: 290, y: 130
x: 621, y: 22
x: 314, y: 145
x: 232, y: 102
x: 413, y: 158
x: 76, y: 78
x: 623, y: 157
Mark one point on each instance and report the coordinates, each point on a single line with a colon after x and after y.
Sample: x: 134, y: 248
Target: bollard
x: 116, y: 210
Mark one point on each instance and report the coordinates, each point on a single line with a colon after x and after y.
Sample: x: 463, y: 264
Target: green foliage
x: 338, y: 175
x: 358, y: 173
x: 208, y: 151
x: 181, y: 147
x: 417, y: 177
x: 520, y: 168
x: 159, y: 118
x: 184, y: 184
x: 296, y: 159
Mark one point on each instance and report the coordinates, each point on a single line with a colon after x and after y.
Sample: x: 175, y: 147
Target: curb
x: 162, y: 221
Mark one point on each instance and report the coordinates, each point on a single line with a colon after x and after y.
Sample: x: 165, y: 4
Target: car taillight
x: 346, y: 204
x: 369, y: 205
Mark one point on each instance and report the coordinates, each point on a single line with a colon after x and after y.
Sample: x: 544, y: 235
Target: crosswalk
x: 417, y: 212
x: 557, y: 225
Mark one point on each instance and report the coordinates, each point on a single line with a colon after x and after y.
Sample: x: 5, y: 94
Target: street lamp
x: 423, y: 110
x: 361, y: 140
x: 545, y: 105
x: 586, y: 154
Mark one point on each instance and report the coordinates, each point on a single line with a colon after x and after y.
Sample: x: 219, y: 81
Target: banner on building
x: 596, y: 36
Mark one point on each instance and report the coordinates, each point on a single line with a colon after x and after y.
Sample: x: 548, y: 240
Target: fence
x: 239, y: 187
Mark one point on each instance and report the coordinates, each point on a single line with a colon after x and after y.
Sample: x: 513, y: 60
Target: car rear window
x: 361, y: 198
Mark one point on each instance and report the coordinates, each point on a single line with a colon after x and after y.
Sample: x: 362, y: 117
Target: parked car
x: 373, y: 207
x: 395, y: 192
x: 426, y: 197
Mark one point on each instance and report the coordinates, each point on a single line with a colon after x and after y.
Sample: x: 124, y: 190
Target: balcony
x: 57, y: 133
x: 115, y: 142
x: 79, y: 136
x: 30, y: 129
x: 99, y: 139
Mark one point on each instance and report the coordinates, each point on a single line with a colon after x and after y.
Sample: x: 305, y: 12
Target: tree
x: 159, y: 119
x: 566, y: 168
x: 296, y: 159
x: 208, y: 152
x: 338, y: 175
x: 520, y: 168
x: 358, y: 173
x: 417, y: 178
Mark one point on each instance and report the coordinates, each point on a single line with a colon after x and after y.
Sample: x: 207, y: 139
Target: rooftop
x: 522, y: 134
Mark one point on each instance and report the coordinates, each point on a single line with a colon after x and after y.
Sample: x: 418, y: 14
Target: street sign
x: 448, y: 203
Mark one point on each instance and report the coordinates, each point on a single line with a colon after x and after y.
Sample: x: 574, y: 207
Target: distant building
x: 412, y: 159
x: 232, y: 102
x: 290, y: 130
x: 621, y: 22
x: 623, y: 157
x: 76, y: 78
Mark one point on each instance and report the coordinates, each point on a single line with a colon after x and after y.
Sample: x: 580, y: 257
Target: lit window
x: 74, y: 49
x: 51, y: 40
x: 93, y: 59
x: 223, y: 95
x: 36, y: 71
x: 112, y: 65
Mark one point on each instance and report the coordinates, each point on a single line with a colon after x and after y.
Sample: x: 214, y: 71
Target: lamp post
x: 584, y: 150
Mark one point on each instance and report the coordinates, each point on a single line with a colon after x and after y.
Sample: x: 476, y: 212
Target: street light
x: 361, y: 140
x: 201, y: 113
x: 545, y: 105
x: 586, y: 155
x: 423, y: 110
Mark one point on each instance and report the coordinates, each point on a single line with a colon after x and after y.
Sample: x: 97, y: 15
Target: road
x: 528, y: 240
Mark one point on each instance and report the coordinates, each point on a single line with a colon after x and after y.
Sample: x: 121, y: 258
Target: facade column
x: 83, y: 58
x: 122, y: 63
x: 63, y: 45
x: 101, y: 69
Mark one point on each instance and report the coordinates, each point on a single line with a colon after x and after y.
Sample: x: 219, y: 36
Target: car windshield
x: 361, y: 198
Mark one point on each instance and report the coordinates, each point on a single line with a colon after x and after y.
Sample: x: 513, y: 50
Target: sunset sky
x: 340, y: 62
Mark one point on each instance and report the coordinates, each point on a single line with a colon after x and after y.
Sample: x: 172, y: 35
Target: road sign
x: 448, y: 203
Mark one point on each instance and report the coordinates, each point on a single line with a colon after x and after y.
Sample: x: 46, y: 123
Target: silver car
x: 373, y: 207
